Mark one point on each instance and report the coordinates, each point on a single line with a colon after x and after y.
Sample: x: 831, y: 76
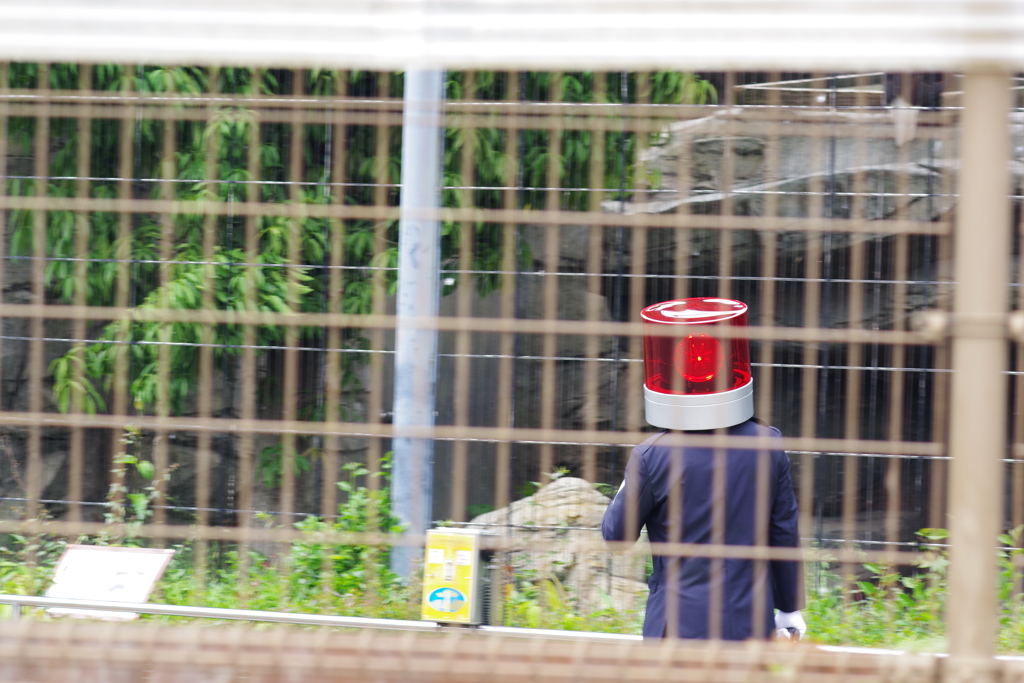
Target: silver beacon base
x: 699, y: 411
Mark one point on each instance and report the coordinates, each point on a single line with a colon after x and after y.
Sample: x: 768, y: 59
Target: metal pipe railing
x: 17, y: 602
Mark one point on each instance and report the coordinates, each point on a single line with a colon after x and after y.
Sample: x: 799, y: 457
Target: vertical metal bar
x: 332, y: 406
x: 977, y: 439
x: 897, y: 378
x: 41, y: 169
x: 638, y: 267
x: 336, y: 282
x: 810, y: 385
x: 638, y: 283
x: 1017, y: 467
x: 769, y: 268
x: 594, y: 370
x: 335, y: 157
x: 166, y: 274
x: 684, y: 179
x: 812, y: 318
x: 506, y: 386
x: 417, y: 307
x: 204, y: 399
x: 828, y: 312
x: 290, y: 397
x: 674, y: 563
x: 851, y: 463
x: 125, y: 252
x: 4, y: 86
x: 941, y: 406
x: 552, y: 265
x: 464, y: 308
x: 378, y: 293
x: 76, y: 446
x: 727, y: 178
x: 859, y: 200
x: 716, y: 592
x: 854, y: 377
x: 763, y: 506
x: 765, y: 378
x: 620, y: 248
x: 894, y: 468
x: 247, y: 385
x: 635, y: 369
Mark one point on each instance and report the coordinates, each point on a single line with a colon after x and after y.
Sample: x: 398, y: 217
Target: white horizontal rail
x: 573, y: 34
x: 19, y: 601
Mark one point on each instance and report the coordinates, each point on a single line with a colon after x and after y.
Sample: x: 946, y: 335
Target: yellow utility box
x: 453, y: 577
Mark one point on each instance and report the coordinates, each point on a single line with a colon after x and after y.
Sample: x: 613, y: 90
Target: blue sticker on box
x: 446, y: 599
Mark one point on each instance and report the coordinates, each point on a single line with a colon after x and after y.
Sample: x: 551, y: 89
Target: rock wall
x: 568, y: 512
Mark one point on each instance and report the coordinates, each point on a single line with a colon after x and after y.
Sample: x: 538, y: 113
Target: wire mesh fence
x: 199, y: 277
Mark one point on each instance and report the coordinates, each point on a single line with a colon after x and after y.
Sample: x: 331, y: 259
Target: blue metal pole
x: 419, y: 250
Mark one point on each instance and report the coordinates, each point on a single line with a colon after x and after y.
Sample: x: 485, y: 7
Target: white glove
x: 788, y: 620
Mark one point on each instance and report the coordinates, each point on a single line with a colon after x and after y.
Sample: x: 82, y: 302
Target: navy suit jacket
x: 664, y: 462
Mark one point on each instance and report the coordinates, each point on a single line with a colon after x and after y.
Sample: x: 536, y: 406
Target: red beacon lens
x: 697, y: 372
x: 696, y: 346
x: 698, y: 358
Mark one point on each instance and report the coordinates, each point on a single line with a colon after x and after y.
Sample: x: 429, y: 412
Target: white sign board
x: 90, y: 572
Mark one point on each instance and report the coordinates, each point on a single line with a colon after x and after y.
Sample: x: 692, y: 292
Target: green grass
x: 872, y: 606
x: 879, y: 607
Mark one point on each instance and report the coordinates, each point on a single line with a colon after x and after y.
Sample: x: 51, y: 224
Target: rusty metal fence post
x: 977, y: 438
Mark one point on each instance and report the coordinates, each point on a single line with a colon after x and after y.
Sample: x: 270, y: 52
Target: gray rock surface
x: 569, y: 511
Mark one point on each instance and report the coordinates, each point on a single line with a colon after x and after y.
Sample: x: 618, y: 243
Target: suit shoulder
x: 757, y: 427
x: 642, y: 448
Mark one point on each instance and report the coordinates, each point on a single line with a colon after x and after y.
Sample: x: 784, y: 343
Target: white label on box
x: 435, y: 556
x: 463, y: 558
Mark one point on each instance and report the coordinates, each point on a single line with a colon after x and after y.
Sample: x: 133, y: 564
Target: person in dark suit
x: 644, y: 500
x: 690, y: 493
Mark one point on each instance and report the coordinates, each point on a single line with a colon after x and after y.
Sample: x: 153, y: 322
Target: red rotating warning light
x: 696, y: 365
x: 698, y: 357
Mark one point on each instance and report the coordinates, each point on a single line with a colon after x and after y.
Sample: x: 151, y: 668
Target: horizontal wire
x: 107, y: 504
x: 443, y: 432
x: 335, y: 101
x: 321, y: 183
x: 610, y: 190
x: 890, y: 456
x: 906, y: 544
x: 436, y: 523
x: 489, y: 542
x: 525, y: 215
x: 454, y: 271
x: 568, y: 328
x: 76, y: 259
x: 340, y: 103
x: 848, y: 367
x: 482, y: 356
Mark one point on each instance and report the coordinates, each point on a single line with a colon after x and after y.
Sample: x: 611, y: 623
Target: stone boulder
x: 568, y: 511
x: 567, y: 503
